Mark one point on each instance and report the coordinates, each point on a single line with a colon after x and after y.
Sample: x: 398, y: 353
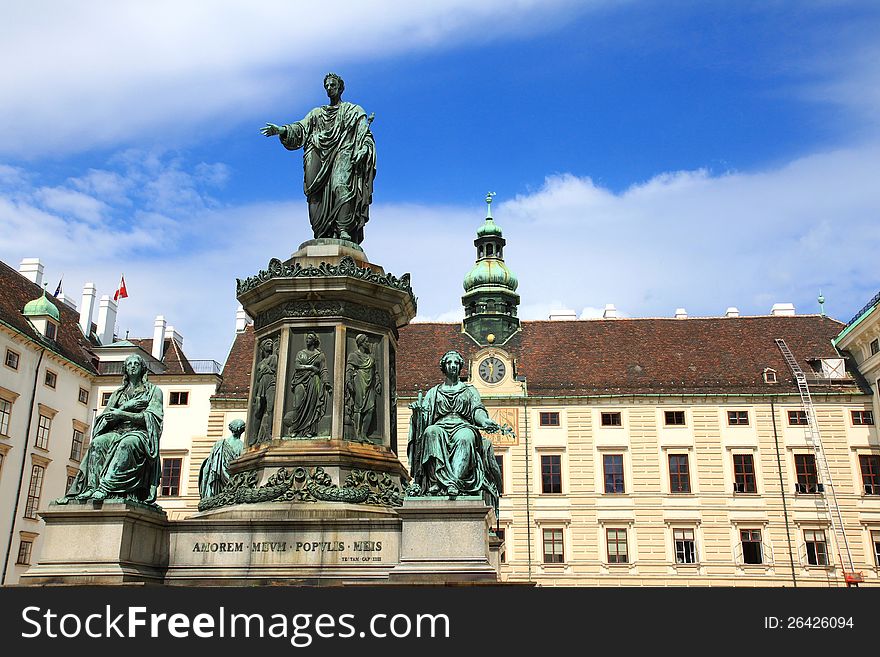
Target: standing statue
x: 362, y: 385
x: 123, y: 456
x: 447, y: 454
x: 311, y: 388
x: 263, y: 402
x: 214, y: 472
x: 339, y: 163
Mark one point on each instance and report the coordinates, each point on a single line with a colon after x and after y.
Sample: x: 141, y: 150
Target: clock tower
x: 490, y: 300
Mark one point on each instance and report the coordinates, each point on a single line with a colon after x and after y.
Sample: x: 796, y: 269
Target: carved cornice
x: 346, y: 267
x: 317, y: 309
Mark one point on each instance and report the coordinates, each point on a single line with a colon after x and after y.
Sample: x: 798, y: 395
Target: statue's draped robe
x: 264, y: 398
x: 445, y: 447
x: 363, y: 381
x: 214, y: 472
x: 123, y: 458
x: 331, y: 137
x: 309, y: 402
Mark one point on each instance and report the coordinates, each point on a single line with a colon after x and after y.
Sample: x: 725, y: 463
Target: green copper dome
x: 490, y: 271
x: 489, y: 229
x: 41, y: 306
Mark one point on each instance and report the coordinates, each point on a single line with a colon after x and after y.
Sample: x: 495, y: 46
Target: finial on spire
x: 821, y: 301
x: 489, y: 196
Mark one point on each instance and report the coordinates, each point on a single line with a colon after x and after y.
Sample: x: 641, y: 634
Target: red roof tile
x: 237, y: 370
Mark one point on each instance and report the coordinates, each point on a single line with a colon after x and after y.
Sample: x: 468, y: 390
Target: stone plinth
x: 444, y: 541
x: 101, y: 543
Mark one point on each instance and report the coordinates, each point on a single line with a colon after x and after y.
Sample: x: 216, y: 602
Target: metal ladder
x: 829, y: 497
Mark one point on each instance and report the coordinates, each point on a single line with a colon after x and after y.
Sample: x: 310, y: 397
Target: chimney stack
x: 681, y: 313
x: 732, y: 312
x: 610, y: 311
x: 172, y: 333
x: 106, y: 320
x: 32, y: 269
x: 87, y: 308
x: 782, y: 309
x: 241, y: 320
x: 63, y: 298
x: 158, y: 338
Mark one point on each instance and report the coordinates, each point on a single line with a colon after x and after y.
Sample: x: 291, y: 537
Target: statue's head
x: 312, y: 340
x: 451, y: 357
x: 237, y: 427
x: 134, y: 369
x: 340, y: 83
x: 266, y: 346
x: 362, y: 341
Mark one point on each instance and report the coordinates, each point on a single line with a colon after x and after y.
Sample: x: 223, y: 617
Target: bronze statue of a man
x: 339, y: 162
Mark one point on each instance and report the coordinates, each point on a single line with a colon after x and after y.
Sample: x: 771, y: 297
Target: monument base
x: 444, y: 541
x: 101, y: 543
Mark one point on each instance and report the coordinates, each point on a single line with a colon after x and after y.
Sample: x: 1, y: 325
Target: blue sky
x: 653, y: 155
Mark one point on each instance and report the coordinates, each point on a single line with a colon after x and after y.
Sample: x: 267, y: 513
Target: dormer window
x: 51, y: 330
x: 769, y: 375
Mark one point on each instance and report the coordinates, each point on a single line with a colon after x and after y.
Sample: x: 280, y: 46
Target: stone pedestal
x: 444, y: 541
x: 101, y: 543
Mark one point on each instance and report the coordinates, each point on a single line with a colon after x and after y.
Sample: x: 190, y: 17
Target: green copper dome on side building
x: 490, y: 300
x: 41, y: 306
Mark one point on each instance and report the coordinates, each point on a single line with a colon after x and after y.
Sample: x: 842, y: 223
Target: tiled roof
x: 636, y: 356
x: 616, y: 356
x: 237, y: 369
x: 16, y: 291
x: 173, y: 357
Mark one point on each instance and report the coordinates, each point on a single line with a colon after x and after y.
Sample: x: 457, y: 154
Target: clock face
x: 492, y: 370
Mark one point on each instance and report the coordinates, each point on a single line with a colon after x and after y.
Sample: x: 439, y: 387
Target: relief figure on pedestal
x: 311, y: 389
x: 263, y: 400
x: 123, y: 455
x: 339, y: 163
x: 362, y: 387
x: 214, y: 472
x: 448, y: 455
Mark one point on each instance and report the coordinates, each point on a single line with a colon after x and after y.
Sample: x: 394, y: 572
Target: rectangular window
x: 551, y: 474
x: 105, y: 398
x: 617, y: 552
x: 178, y: 399
x: 549, y: 419
x: 862, y: 418
x: 51, y: 330
x: 870, y: 466
x: 817, y: 549
x: 171, y: 477
x: 875, y: 539
x: 807, y: 477
x: 751, y: 546
x: 553, y: 551
x: 744, y: 474
x: 11, y: 359
x: 51, y: 379
x: 76, y: 447
x: 685, y: 547
x: 679, y: 475
x: 24, y: 552
x: 875, y: 346
x: 5, y: 415
x: 70, y: 479
x: 502, y: 556
x: 83, y: 396
x: 738, y: 418
x: 797, y: 418
x: 674, y: 418
x: 500, y: 461
x: 611, y: 420
x: 43, y: 428
x: 35, y: 489
x: 613, y: 467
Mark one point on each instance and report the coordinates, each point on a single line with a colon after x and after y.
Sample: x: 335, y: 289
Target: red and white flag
x: 121, y: 292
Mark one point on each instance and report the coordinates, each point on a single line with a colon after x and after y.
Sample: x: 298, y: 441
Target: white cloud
x: 110, y: 72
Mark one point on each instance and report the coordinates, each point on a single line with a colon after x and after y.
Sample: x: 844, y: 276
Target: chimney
x: 241, y: 320
x: 63, y: 298
x: 172, y: 333
x: 563, y: 314
x: 610, y: 311
x: 32, y: 269
x: 732, y: 312
x: 158, y: 338
x: 681, y: 313
x: 782, y: 309
x: 106, y: 319
x: 87, y: 308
